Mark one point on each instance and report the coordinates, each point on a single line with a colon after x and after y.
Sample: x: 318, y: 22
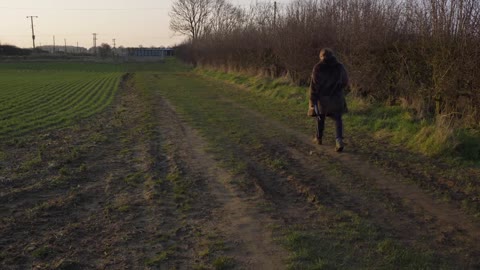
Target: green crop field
x: 38, y: 99
x: 41, y: 95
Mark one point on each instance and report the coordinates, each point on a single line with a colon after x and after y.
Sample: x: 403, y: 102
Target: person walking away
x: 326, y: 95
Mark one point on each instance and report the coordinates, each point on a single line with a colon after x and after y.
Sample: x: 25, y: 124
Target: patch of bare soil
x: 132, y: 188
x: 233, y: 215
x: 352, y: 182
x: 88, y: 197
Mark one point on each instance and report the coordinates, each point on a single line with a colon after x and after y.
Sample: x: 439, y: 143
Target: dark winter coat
x: 329, y: 79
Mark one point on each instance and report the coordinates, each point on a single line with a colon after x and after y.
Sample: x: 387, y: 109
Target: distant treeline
x: 423, y: 54
x: 11, y: 50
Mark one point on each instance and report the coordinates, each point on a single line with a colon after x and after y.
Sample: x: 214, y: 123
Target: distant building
x: 148, y: 54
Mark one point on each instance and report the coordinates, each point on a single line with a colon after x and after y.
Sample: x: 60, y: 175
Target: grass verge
x: 394, y: 123
x: 439, y: 160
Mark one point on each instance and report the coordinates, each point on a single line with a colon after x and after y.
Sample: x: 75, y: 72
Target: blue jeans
x: 321, y: 124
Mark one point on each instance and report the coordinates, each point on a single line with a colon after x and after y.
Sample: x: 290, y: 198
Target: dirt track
x: 139, y: 188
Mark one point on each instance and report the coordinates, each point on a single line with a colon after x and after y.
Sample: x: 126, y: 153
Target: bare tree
x: 190, y: 17
x: 224, y: 17
x: 105, y: 50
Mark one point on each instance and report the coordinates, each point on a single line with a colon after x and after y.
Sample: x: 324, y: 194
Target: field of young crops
x: 40, y: 95
x: 33, y: 99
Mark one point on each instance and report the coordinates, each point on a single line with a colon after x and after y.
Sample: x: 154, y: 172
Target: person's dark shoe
x: 317, y: 141
x: 339, y: 145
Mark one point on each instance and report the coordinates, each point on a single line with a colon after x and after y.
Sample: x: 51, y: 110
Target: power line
x: 129, y: 9
x: 33, y: 30
x: 274, y: 13
x: 264, y: 2
x: 95, y: 43
x: 90, y: 9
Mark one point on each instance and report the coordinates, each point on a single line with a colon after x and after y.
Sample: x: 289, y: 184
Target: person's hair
x: 327, y: 54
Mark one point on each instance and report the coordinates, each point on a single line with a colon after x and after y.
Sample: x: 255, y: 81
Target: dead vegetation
x: 421, y: 54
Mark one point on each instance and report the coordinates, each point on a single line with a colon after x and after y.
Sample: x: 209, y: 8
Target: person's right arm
x: 313, y: 90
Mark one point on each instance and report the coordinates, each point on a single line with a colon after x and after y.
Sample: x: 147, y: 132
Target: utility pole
x: 65, y: 40
x: 33, y: 30
x: 114, y: 46
x: 53, y: 43
x: 274, y: 13
x: 77, y: 48
x: 95, y: 43
x: 114, y: 43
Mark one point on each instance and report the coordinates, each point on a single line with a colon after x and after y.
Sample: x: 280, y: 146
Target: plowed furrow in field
x: 112, y: 213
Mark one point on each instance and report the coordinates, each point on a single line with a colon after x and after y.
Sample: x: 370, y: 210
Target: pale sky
x: 131, y: 23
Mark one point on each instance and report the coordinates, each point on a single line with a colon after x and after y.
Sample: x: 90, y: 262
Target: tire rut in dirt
x: 226, y: 211
x: 389, y: 201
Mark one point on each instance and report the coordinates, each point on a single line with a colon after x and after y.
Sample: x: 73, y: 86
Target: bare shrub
x: 423, y: 54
